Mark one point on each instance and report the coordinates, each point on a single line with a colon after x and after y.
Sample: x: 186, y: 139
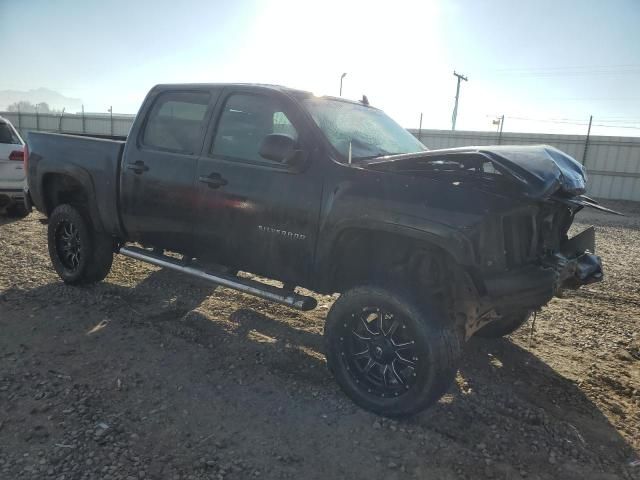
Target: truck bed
x: 84, y: 158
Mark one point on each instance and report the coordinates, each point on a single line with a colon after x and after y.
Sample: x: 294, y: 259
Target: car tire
x: 389, y: 353
x: 17, y: 210
x: 79, y: 254
x: 504, y: 326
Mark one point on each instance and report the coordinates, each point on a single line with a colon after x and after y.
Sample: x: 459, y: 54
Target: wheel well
x: 59, y: 189
x: 366, y: 256
x: 422, y: 269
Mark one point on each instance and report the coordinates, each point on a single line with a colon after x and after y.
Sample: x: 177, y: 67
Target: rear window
x: 7, y: 135
x: 177, y: 122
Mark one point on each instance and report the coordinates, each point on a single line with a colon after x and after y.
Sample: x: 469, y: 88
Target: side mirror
x: 278, y: 148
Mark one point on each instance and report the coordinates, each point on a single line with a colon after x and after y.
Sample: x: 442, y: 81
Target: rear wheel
x: 504, y: 326
x: 388, y: 354
x: 79, y: 254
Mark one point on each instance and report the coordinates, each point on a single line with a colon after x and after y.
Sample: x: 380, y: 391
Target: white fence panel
x: 613, y: 163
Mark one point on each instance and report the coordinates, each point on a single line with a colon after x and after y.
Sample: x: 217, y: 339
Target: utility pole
x: 341, y: 78
x: 454, y: 117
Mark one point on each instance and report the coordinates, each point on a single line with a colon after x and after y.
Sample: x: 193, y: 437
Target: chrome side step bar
x: 268, y: 292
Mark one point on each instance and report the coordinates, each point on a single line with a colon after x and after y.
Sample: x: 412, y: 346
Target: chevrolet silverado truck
x: 425, y: 247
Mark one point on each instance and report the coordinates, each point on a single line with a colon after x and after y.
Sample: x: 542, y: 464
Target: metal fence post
x: 60, y: 120
x: 586, y: 141
x: 37, y: 119
x: 111, y: 118
x: 420, y: 129
x: 84, y: 128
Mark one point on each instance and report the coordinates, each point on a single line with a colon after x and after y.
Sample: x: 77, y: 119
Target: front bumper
x: 532, y: 286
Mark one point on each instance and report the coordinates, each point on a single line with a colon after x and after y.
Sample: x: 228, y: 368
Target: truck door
x: 254, y: 214
x: 158, y: 200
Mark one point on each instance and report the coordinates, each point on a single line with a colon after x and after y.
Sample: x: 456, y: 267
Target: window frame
x: 224, y: 100
x: 203, y: 129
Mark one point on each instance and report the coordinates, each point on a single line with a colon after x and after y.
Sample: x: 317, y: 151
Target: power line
x: 615, y: 126
x: 549, y: 120
x: 572, y: 67
x: 628, y: 69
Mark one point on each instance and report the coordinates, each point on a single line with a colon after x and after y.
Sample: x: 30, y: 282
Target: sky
x: 546, y: 65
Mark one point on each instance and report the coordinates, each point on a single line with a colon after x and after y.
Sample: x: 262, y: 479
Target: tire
x: 504, y: 326
x: 17, y: 210
x: 374, y: 367
x: 79, y: 254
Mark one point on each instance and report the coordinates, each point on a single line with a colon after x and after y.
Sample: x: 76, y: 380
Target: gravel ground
x: 150, y: 375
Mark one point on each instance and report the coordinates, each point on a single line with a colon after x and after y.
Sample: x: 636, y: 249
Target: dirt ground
x: 149, y: 375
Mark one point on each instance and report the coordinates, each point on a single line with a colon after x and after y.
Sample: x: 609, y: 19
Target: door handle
x: 137, y: 166
x: 214, y: 180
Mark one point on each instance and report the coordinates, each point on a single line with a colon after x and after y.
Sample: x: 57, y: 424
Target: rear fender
x: 58, y: 180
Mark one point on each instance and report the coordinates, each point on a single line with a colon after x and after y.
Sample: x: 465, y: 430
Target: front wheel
x: 79, y: 254
x: 389, y: 354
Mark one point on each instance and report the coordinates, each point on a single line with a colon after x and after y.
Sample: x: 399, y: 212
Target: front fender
x: 448, y: 239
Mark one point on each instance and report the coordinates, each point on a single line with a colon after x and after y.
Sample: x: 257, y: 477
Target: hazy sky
x: 544, y: 59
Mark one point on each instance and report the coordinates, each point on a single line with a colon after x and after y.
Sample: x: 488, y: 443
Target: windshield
x: 370, y: 131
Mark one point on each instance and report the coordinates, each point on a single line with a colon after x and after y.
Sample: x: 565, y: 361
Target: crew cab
x: 425, y: 247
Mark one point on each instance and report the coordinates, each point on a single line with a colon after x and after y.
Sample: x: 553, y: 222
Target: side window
x: 176, y: 122
x: 245, y: 121
x: 7, y: 135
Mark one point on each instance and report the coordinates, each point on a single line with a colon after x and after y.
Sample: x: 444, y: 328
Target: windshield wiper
x: 377, y: 155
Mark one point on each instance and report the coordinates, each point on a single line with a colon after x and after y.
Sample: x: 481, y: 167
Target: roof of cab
x: 266, y: 86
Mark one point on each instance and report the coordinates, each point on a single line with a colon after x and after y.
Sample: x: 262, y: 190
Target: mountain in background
x: 55, y: 100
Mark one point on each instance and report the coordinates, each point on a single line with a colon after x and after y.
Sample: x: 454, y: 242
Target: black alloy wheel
x: 380, y: 351
x: 389, y: 353
x: 68, y: 245
x: 79, y: 254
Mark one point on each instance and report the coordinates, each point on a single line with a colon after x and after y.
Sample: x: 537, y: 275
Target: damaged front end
x: 524, y: 256
x: 524, y: 260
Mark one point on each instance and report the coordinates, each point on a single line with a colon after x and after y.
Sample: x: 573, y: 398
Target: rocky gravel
x: 149, y: 375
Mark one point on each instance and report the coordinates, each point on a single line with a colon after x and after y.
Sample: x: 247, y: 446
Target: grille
x: 519, y: 239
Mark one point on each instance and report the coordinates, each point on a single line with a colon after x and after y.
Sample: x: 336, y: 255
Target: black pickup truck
x: 426, y: 248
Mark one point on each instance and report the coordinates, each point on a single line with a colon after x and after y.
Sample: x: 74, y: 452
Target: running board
x: 245, y: 285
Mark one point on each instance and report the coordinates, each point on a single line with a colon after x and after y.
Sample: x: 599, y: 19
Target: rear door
x: 255, y: 214
x: 158, y: 201
x: 11, y: 166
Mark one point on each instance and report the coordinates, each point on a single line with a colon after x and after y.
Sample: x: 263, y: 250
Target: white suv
x: 12, y: 174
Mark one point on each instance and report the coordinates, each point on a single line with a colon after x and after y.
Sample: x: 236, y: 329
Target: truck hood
x: 540, y: 171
